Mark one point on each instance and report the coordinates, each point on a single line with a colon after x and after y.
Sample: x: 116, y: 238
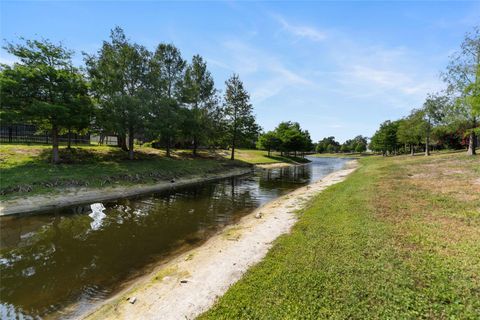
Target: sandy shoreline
x: 39, y: 203
x: 190, y: 284
x: 277, y: 165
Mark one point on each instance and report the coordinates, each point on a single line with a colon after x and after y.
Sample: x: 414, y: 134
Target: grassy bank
x: 399, y: 239
x: 26, y: 169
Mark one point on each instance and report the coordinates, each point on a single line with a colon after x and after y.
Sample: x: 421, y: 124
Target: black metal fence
x: 25, y: 133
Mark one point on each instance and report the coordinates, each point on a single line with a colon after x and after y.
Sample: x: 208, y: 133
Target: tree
x: 451, y: 134
x: 199, y: 93
x: 165, y: 83
x: 350, y: 145
x: 328, y: 144
x: 292, y: 137
x: 385, y: 138
x: 118, y: 78
x: 411, y: 129
x: 269, y: 141
x: 346, y: 147
x: 240, y: 120
x: 45, y: 88
x: 361, y: 147
x: 463, y: 78
x: 359, y: 144
x: 433, y: 113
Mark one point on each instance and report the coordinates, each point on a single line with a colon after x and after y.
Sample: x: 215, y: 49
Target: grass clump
x: 399, y: 239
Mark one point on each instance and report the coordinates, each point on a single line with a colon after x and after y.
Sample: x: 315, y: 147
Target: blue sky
x: 338, y: 68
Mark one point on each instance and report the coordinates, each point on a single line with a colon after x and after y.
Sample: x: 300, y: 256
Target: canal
x: 59, y: 263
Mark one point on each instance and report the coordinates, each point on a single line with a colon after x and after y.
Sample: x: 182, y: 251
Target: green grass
x: 399, y: 239
x: 26, y: 170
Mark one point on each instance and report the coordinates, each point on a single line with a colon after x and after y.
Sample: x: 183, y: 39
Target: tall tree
x: 165, y: 88
x: 240, y: 120
x: 351, y: 144
x: 118, y: 75
x: 293, y: 137
x: 433, y: 112
x: 200, y: 95
x: 463, y: 78
x: 328, y: 144
x: 385, y: 138
x: 410, y: 130
x: 45, y: 88
x: 269, y: 141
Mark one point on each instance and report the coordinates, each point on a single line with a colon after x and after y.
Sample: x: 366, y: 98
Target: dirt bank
x: 39, y: 203
x: 189, y: 284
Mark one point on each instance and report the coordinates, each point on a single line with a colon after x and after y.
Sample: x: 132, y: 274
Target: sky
x: 338, y: 68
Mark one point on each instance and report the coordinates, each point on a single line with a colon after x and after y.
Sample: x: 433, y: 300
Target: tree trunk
x: 168, y: 147
x: 472, y: 144
x: 472, y: 141
x: 232, y: 156
x: 69, y: 143
x: 269, y: 152
x: 122, y: 142
x: 412, y: 150
x: 55, y: 155
x: 195, y: 143
x: 130, y: 143
x: 427, y: 142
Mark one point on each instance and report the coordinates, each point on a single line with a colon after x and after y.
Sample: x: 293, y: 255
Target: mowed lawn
x: 399, y: 239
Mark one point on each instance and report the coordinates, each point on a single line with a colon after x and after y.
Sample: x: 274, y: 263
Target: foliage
x: 463, y: 79
x: 385, y: 139
x: 269, y: 141
x: 411, y: 130
x: 165, y: 85
x: 240, y: 121
x: 293, y: 138
x: 118, y: 78
x: 357, y: 144
x: 199, y: 94
x: 44, y: 88
x: 328, y: 145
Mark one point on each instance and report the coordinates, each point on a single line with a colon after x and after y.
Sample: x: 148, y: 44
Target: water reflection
x: 81, y: 254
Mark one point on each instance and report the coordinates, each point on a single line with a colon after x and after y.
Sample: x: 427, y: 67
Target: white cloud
x: 264, y: 72
x: 396, y: 76
x: 301, y: 31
